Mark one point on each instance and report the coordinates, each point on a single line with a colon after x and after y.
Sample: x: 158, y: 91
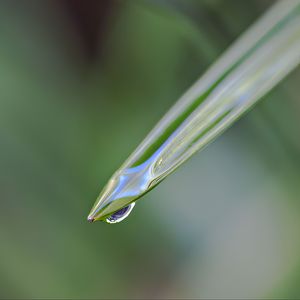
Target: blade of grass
x: 258, y: 61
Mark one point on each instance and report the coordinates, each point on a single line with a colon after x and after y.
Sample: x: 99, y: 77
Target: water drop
x: 121, y: 214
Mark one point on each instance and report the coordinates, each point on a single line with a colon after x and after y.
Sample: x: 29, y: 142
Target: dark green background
x: 81, y: 84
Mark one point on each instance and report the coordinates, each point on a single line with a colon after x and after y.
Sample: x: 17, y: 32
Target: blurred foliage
x: 75, y: 101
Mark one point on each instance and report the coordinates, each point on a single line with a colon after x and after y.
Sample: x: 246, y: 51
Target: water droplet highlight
x: 121, y: 214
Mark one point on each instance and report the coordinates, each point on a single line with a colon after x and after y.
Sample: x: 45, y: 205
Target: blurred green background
x: 81, y: 84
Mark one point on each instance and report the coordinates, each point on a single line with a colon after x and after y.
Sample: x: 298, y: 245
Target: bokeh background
x: 81, y: 84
